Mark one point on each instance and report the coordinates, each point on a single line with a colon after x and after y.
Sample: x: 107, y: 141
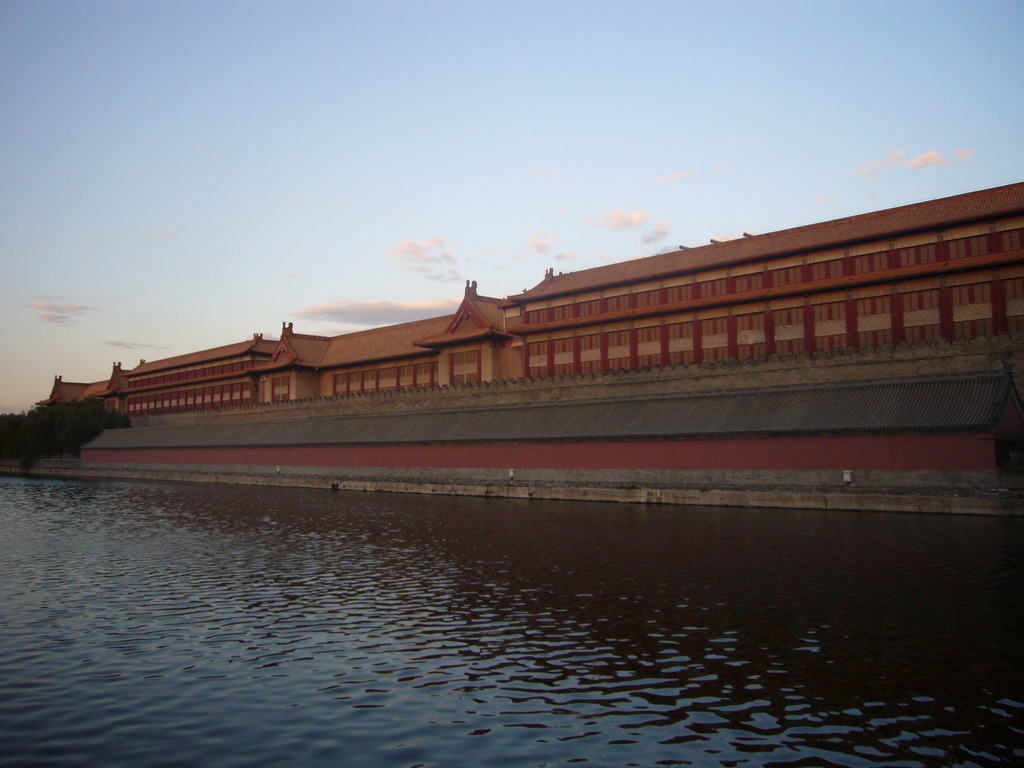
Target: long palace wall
x: 838, y: 365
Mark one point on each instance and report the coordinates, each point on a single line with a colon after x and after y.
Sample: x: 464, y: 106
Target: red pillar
x: 809, y: 341
x: 946, y: 327
x: 999, y: 322
x: 850, y: 310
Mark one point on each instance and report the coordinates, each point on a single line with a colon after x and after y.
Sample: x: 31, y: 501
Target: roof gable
x: 477, y: 317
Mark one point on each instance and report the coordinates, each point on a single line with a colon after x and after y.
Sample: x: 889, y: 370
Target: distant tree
x: 59, y: 430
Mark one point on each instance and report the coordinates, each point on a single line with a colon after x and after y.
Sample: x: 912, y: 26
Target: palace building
x: 861, y: 361
x: 945, y: 270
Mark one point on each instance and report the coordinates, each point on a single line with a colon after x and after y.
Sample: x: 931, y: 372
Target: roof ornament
x: 549, y: 273
x: 471, y: 289
x: 287, y: 328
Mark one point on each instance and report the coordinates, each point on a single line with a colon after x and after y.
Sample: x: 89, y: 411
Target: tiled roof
x: 257, y: 345
x: 478, y: 317
x: 941, y: 213
x: 70, y: 391
x: 390, y: 342
x: 957, y: 403
x: 309, y: 350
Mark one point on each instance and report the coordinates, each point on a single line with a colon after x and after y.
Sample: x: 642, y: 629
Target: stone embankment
x: 999, y: 501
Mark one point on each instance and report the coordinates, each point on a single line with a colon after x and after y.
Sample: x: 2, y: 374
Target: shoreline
x: 954, y: 501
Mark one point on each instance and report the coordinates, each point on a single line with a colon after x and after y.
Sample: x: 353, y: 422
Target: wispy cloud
x: 931, y: 157
x: 659, y: 233
x: 132, y: 345
x: 428, y: 257
x: 58, y: 314
x: 376, y: 313
x: 677, y: 176
x: 540, y: 242
x: 619, y: 218
x: 566, y: 256
x: 897, y: 158
x: 544, y: 174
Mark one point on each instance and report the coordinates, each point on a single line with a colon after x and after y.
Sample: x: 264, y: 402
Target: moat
x: 200, y: 625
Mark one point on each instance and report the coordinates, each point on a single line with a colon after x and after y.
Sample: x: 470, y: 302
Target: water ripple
x: 204, y: 626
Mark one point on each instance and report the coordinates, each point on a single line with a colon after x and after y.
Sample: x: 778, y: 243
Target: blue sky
x: 181, y: 175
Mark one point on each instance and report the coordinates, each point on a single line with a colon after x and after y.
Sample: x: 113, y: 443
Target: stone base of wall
x: 1005, y: 496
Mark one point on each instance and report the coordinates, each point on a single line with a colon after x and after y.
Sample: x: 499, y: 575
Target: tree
x: 58, y: 430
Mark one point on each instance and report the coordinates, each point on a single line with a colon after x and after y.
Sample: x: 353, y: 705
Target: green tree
x: 59, y: 430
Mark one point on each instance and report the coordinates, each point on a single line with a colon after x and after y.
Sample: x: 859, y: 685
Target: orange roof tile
x: 941, y: 213
x: 393, y: 341
x: 256, y: 345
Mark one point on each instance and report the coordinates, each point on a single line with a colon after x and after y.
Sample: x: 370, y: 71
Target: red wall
x: 898, y: 452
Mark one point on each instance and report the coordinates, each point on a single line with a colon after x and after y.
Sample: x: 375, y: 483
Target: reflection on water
x: 226, y: 626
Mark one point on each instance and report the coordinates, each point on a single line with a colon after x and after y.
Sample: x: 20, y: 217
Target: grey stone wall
x: 962, y: 356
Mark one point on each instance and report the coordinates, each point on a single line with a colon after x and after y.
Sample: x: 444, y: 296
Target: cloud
x: 566, y: 256
x: 377, y: 313
x: 544, y: 174
x: 541, y: 243
x: 427, y: 257
x: 659, y: 233
x: 620, y: 219
x: 931, y: 157
x: 897, y: 159
x: 870, y: 169
x: 131, y: 345
x: 433, y: 250
x: 677, y: 176
x: 58, y: 314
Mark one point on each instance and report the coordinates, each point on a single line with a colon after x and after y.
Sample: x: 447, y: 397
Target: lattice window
x: 617, y: 303
x: 712, y: 288
x: 824, y: 270
x: 919, y: 254
x: 714, y: 338
x: 680, y: 343
x: 870, y: 262
x: 787, y: 276
x: 278, y: 388
x: 648, y: 298
x: 648, y: 342
x: 466, y: 365
x: 972, y: 310
x: 561, y: 312
x: 752, y: 282
x: 679, y: 293
x: 874, y: 321
x: 750, y: 342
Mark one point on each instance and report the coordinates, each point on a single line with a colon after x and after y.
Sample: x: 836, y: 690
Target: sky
x: 179, y: 175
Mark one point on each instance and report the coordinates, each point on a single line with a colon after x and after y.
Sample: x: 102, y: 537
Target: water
x: 184, y: 625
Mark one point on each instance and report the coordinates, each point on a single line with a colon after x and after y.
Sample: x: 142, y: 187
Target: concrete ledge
x: 930, y: 501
